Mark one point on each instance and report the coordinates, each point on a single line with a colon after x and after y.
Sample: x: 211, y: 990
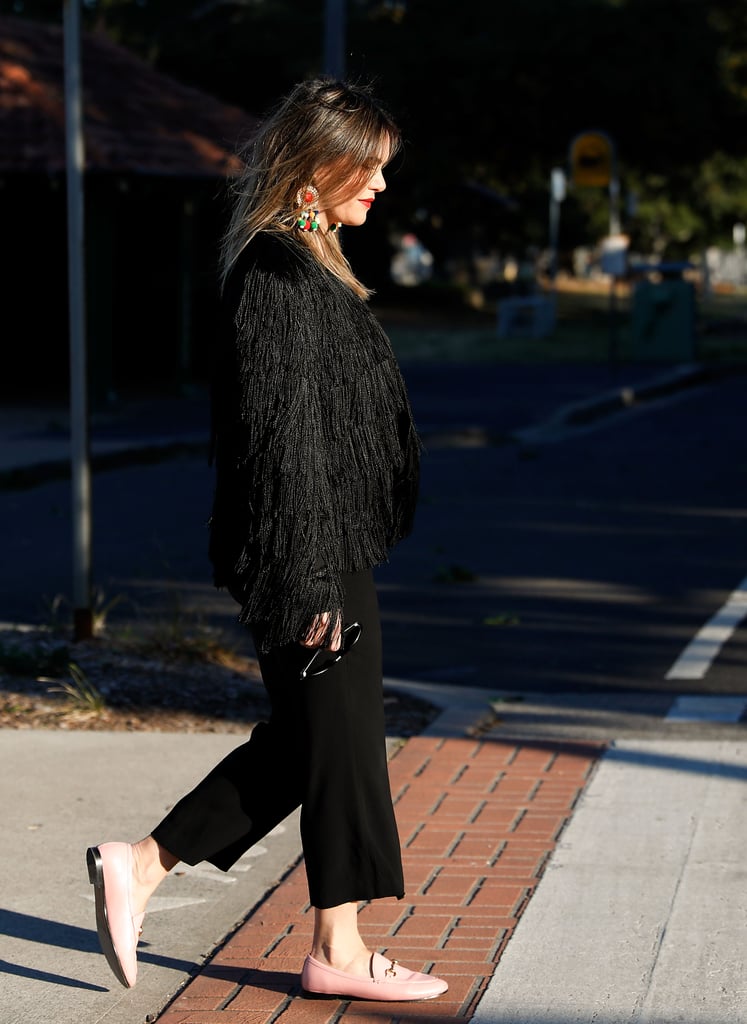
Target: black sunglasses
x: 316, y: 666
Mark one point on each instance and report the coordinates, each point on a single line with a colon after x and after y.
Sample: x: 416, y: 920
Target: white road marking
x: 254, y: 851
x: 704, y: 648
x: 156, y: 903
x: 707, y: 709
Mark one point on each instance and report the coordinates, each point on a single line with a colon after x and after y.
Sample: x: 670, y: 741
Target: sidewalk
x: 635, y: 911
x: 35, y: 439
x: 555, y: 872
x: 641, y: 914
x: 478, y: 821
x: 549, y: 880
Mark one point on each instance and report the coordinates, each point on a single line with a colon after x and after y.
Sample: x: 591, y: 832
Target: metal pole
x: 614, y: 189
x: 613, y: 334
x: 554, y: 232
x: 557, y: 195
x: 334, y: 38
x: 80, y: 462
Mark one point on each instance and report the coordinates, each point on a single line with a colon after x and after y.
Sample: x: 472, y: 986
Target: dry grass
x: 583, y: 332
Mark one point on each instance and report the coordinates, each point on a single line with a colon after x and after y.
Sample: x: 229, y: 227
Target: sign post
x: 594, y: 164
x: 557, y: 195
x: 80, y: 461
x: 615, y: 263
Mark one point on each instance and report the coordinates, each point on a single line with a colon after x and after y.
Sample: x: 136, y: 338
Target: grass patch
x: 82, y: 695
x: 182, y: 635
x: 575, y: 342
x: 586, y: 332
x: 19, y: 660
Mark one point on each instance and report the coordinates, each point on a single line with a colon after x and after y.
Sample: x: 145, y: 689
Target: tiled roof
x: 137, y: 121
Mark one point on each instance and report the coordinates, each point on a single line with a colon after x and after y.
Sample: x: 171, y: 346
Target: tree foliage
x: 491, y: 92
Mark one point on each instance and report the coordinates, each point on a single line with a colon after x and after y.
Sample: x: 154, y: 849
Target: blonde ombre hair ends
x: 323, y: 133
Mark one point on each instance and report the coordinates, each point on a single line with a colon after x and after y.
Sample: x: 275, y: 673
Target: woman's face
x: 353, y: 211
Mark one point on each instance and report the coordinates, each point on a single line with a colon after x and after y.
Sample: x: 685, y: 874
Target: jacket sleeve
x: 272, y: 539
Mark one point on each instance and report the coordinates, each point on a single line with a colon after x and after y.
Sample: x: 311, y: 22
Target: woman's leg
x: 237, y: 803
x: 340, y: 965
x: 350, y: 841
x: 337, y: 941
x: 349, y: 833
x: 150, y: 865
x: 245, y: 796
x: 325, y: 748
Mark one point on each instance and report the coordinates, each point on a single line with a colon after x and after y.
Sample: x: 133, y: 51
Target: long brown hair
x: 324, y: 133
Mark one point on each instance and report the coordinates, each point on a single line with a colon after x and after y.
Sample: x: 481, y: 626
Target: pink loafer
x: 110, y: 871
x: 389, y: 982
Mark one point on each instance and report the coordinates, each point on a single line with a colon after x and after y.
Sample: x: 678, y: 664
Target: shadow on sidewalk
x: 65, y: 936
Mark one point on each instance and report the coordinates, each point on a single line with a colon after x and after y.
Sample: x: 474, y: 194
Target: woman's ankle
x: 349, y: 956
x: 337, y: 941
x: 151, y: 863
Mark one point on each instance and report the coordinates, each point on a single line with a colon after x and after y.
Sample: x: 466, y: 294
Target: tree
x: 491, y: 92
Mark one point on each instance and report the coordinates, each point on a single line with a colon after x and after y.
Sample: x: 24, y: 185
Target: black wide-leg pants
x: 323, y: 748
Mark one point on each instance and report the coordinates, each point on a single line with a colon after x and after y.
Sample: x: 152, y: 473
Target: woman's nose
x: 378, y: 182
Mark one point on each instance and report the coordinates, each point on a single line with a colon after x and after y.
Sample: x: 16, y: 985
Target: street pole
x: 334, y: 38
x: 557, y: 195
x: 614, y: 190
x: 79, y: 453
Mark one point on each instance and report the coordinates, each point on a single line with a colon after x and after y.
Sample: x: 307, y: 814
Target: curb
x: 554, y: 428
x: 589, y: 410
x: 20, y: 478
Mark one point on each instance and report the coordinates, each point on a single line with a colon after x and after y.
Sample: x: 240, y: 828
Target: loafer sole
x: 96, y: 878
x: 376, y: 996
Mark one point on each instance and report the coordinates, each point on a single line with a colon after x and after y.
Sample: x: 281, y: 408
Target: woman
x: 316, y: 477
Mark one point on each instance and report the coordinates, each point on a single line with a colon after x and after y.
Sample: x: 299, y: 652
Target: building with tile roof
x: 156, y: 154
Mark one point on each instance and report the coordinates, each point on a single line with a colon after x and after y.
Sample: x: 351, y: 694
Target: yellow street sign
x: 592, y: 159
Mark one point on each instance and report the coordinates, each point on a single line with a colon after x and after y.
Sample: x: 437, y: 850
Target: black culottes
x: 323, y: 748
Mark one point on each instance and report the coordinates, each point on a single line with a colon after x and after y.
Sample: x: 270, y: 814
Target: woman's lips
x: 366, y: 202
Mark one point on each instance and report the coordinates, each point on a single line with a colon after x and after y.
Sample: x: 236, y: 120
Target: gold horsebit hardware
x: 390, y: 971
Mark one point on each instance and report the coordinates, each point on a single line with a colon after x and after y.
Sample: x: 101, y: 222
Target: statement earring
x: 305, y: 198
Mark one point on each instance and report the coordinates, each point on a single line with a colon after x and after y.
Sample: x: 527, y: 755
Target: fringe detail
x: 315, y: 450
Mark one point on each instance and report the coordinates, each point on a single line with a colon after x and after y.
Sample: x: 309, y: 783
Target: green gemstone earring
x: 308, y: 219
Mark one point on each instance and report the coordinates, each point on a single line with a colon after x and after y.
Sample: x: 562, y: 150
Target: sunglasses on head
x: 322, y: 660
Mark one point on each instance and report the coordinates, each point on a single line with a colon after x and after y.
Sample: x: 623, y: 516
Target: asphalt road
x: 580, y: 565
x: 597, y: 557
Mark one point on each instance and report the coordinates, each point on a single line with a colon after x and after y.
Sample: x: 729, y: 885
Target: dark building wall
x: 141, y: 241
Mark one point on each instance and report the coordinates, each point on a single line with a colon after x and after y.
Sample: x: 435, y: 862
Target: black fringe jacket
x: 315, y: 450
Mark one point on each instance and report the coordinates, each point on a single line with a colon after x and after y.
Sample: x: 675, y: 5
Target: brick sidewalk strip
x: 478, y: 820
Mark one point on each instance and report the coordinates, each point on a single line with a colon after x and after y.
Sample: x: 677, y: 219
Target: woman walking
x: 316, y: 461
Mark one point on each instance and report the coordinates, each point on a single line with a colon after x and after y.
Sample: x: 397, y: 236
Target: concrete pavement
x: 642, y: 914
x: 63, y: 791
x: 636, y: 911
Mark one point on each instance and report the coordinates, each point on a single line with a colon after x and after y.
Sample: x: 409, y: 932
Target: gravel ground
x: 136, y: 680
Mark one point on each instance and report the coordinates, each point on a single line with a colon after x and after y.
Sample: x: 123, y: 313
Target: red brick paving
x: 478, y: 820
